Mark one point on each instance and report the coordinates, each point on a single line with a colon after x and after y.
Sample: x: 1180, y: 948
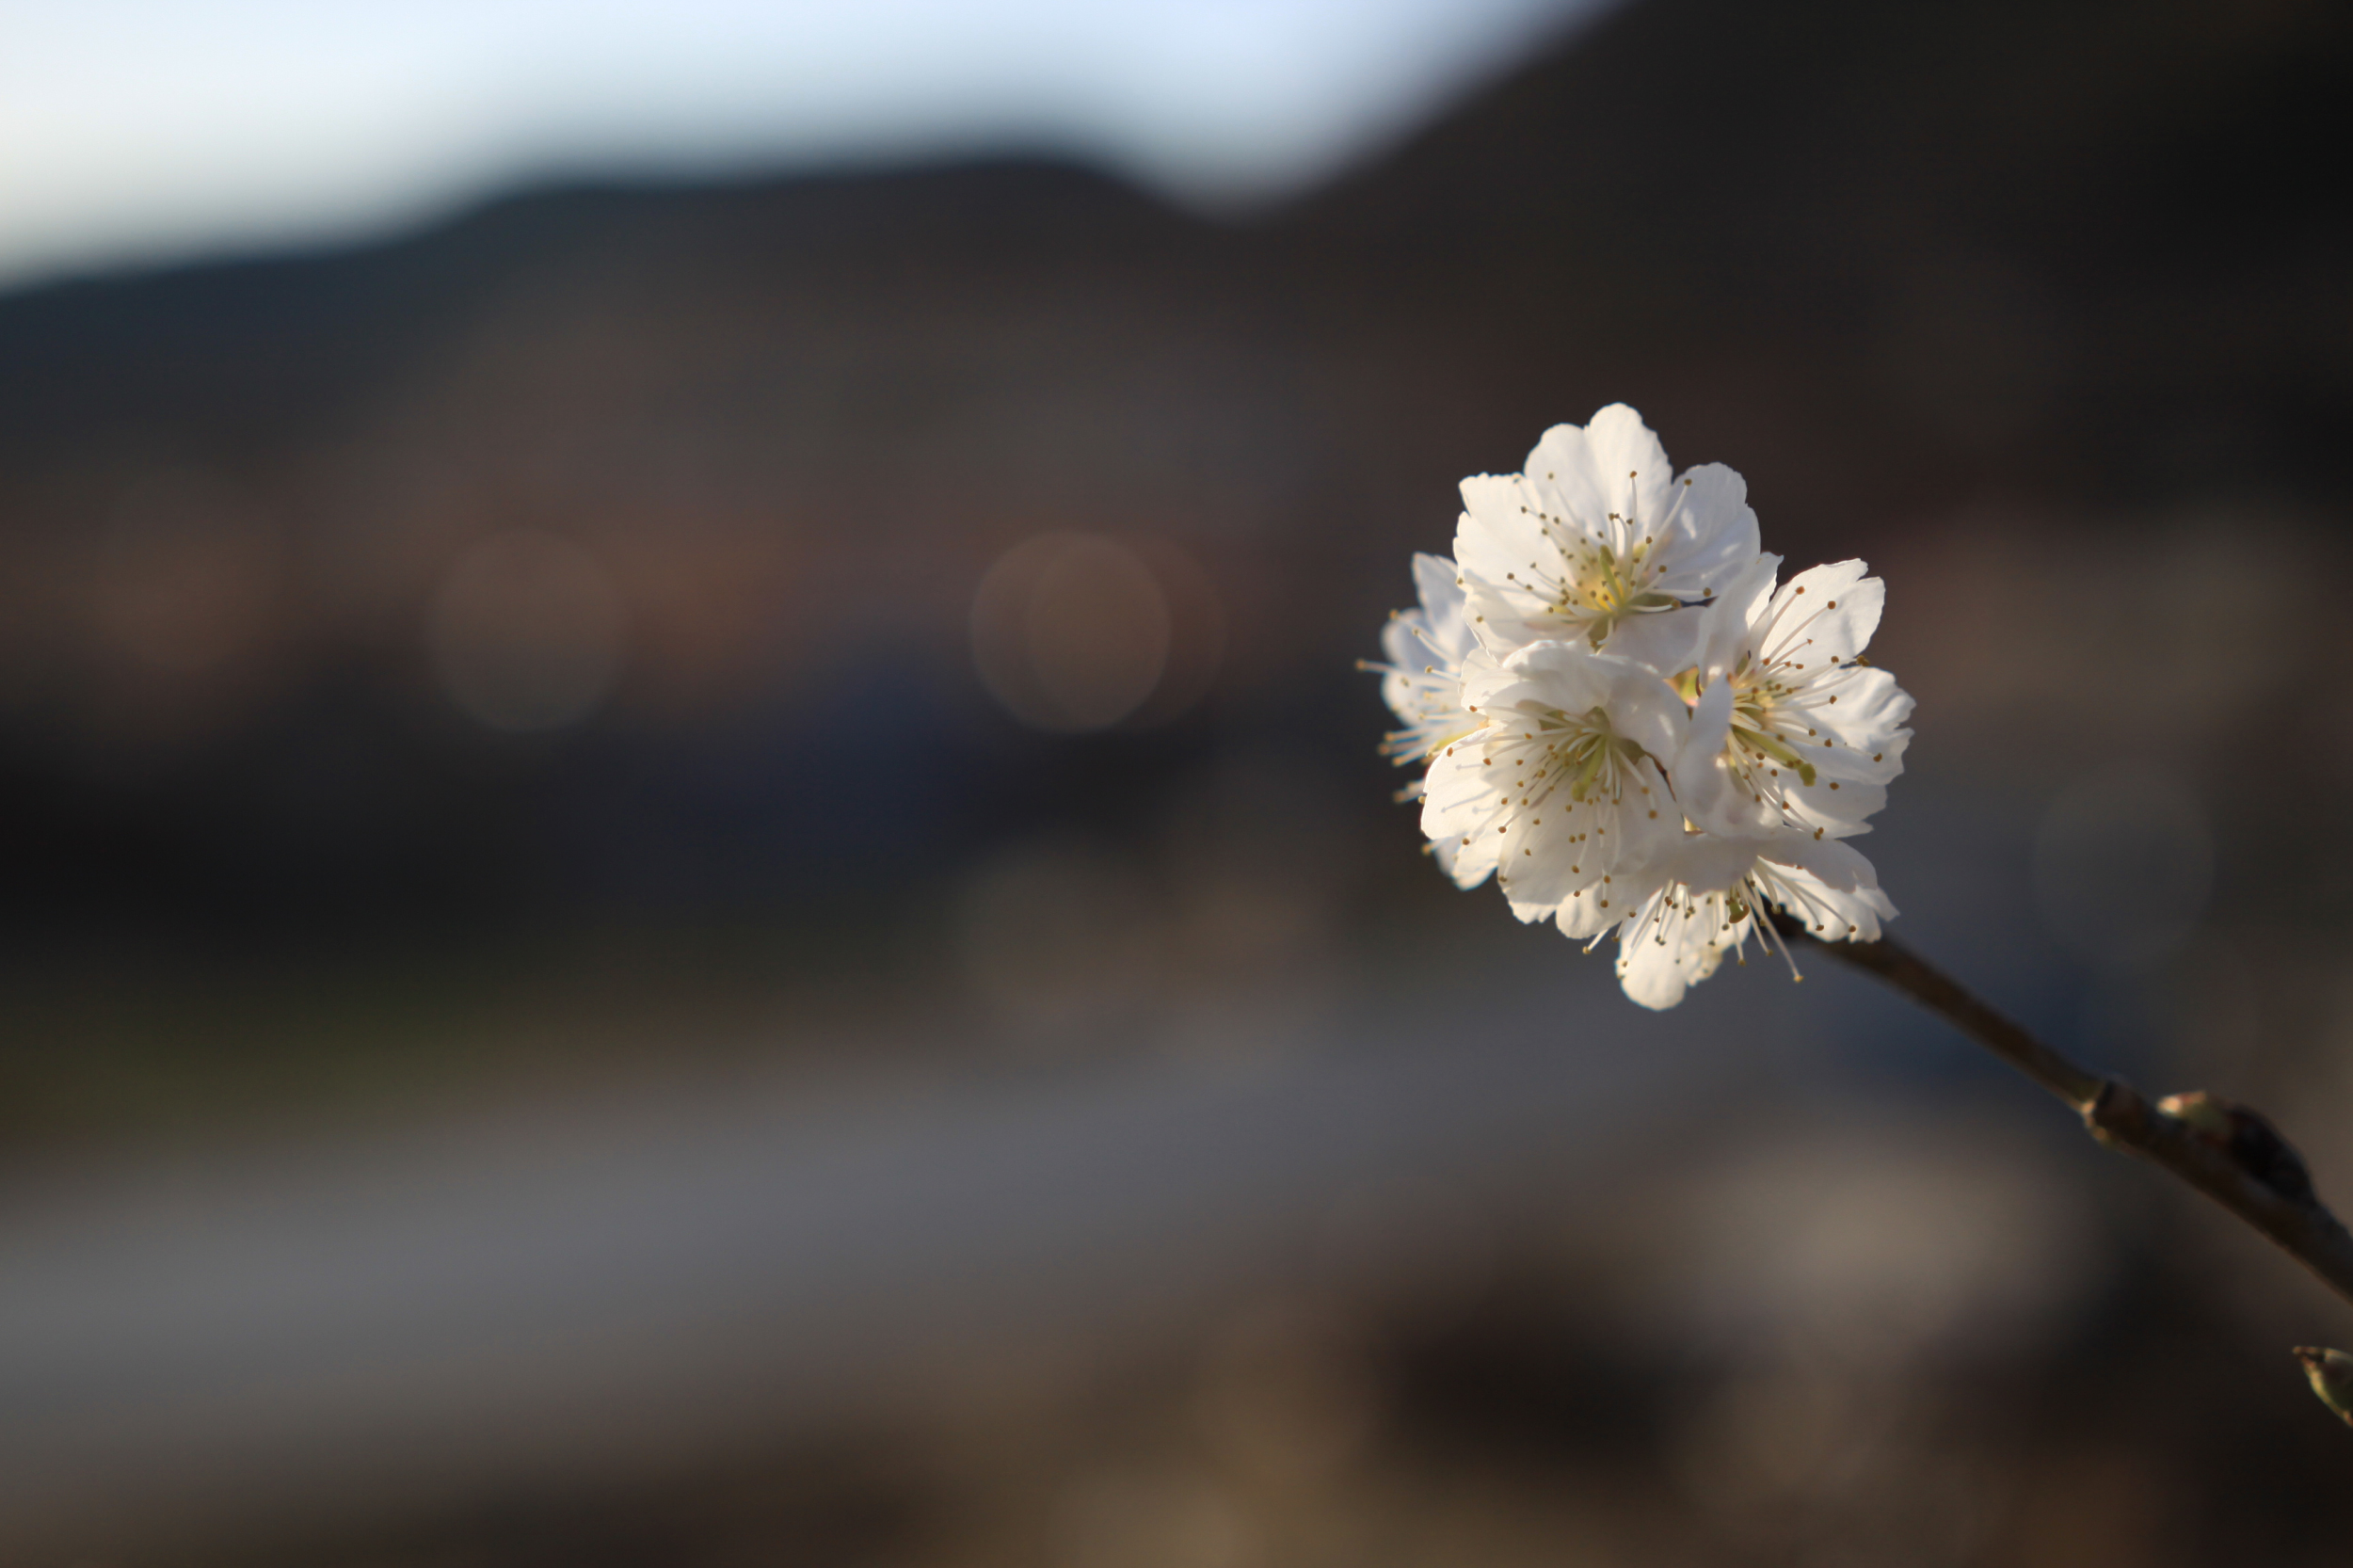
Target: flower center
x: 1755, y: 696
x: 1606, y: 586
x: 1582, y: 751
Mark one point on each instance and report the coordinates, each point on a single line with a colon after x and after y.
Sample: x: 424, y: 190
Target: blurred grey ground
x: 589, y: 1289
x: 586, y: 1285
x: 560, y: 1003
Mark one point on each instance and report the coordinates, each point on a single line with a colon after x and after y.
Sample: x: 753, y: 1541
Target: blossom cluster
x: 1630, y: 723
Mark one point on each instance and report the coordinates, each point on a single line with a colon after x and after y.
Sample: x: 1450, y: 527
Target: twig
x: 2229, y: 1153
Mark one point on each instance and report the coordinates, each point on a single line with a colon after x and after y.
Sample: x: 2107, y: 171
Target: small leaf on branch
x: 2332, y: 1372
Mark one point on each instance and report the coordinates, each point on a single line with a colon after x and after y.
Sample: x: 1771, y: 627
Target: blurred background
x: 694, y: 874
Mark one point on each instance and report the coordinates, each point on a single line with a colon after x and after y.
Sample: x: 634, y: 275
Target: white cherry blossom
x: 1713, y: 895
x: 1790, y: 727
x: 1427, y: 650
x: 1597, y: 539
x: 1562, y: 786
x: 1630, y: 724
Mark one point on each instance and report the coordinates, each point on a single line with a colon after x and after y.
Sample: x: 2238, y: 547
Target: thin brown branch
x: 2229, y: 1153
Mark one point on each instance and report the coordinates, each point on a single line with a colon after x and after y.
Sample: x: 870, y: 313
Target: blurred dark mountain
x: 1888, y: 261
x: 1888, y: 253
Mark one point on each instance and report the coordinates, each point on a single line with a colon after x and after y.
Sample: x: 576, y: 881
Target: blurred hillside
x: 1895, y: 257
x: 1890, y: 262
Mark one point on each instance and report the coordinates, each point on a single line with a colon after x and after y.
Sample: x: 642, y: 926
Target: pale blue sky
x: 134, y: 131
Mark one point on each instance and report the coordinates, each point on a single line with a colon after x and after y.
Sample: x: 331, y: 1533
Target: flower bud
x: 2252, y: 1143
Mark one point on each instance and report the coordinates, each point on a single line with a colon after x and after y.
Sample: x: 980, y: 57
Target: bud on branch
x: 2229, y: 1153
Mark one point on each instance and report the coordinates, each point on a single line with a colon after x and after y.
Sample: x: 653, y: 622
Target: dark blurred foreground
x: 696, y: 875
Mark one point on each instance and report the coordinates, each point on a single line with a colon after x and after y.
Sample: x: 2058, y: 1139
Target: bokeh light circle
x: 1070, y: 632
x: 525, y: 631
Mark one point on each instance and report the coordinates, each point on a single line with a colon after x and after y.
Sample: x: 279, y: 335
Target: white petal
x: 1402, y: 641
x: 1636, y: 479
x: 1705, y: 786
x: 1441, y: 588
x: 1642, y: 706
x: 1713, y: 534
x: 1568, y: 675
x: 1840, y: 866
x: 1725, y: 626
x: 1834, y: 608
x: 1459, y: 794
x: 1665, y: 643
x: 1830, y: 885
x: 1869, y: 714
x: 1581, y: 916
x: 1469, y: 864
x: 1497, y: 537
x: 1716, y: 794
x: 1655, y: 974
x: 1706, y: 863
x: 1662, y: 954
x: 1846, y: 765
x: 1433, y: 579
x: 1542, y: 862
x: 1840, y: 808
x: 1568, y: 481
